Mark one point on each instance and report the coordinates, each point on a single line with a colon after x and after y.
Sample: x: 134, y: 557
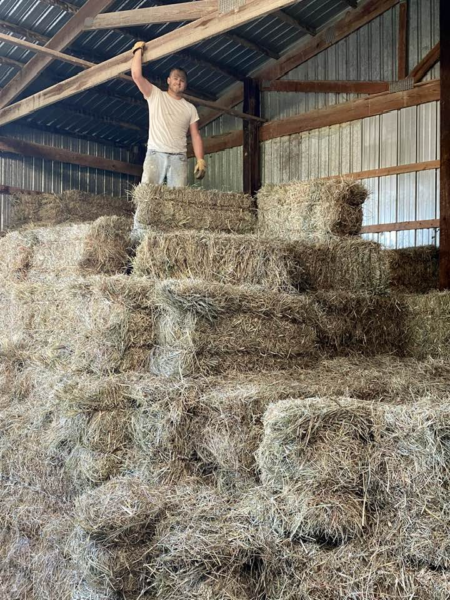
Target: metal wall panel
x: 224, y: 171
x: 53, y: 176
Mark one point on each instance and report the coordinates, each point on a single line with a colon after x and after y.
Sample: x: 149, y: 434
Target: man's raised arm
x: 136, y: 70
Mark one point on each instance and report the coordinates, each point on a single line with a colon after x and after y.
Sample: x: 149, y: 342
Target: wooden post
x: 252, y: 163
x: 403, y: 40
x: 444, y: 253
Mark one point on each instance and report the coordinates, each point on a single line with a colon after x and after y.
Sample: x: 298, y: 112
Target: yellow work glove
x: 200, y: 169
x: 138, y: 46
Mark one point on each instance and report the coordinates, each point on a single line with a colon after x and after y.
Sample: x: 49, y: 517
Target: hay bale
x: 210, y: 328
x: 311, y: 210
x: 122, y: 509
x: 98, y: 324
x: 161, y: 207
x: 410, y: 474
x: 315, y: 456
x: 66, y: 251
x: 71, y: 206
x: 342, y: 264
x: 428, y: 325
x: 414, y: 270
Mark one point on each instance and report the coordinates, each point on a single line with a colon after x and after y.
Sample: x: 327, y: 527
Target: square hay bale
x: 414, y: 270
x: 315, y: 457
x: 410, y: 475
x: 72, y: 206
x: 311, y: 209
x: 97, y: 324
x: 162, y: 207
x: 428, y: 325
x: 66, y: 251
x: 342, y: 264
x: 207, y: 328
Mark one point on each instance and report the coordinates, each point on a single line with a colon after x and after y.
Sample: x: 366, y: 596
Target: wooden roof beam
x: 168, y: 13
x: 295, y: 23
x: 61, y: 40
x: 65, y: 6
x: 262, y: 49
x: 31, y: 36
x: 188, y: 35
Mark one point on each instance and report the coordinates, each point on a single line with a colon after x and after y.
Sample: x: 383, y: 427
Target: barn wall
x: 52, y: 176
x: 400, y: 137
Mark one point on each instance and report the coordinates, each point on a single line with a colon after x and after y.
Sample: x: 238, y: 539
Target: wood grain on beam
x: 401, y: 226
x: 190, y: 34
x: 300, y: 53
x: 14, y: 146
x: 426, y: 64
x: 337, y: 87
x: 295, y: 23
x: 352, y: 111
x: 170, y: 13
x: 61, y: 40
x: 403, y: 41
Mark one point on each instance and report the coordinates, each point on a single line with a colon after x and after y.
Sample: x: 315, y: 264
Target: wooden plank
x: 426, y: 64
x: 388, y: 171
x: 171, y: 13
x: 61, y: 40
x: 351, y: 22
x: 403, y: 40
x: 251, y: 150
x: 332, y: 87
x: 444, y: 254
x: 403, y: 226
x: 352, y: 111
x: 22, y: 148
x: 185, y: 36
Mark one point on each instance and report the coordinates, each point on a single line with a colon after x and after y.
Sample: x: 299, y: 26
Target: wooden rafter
x: 336, y: 87
x: 29, y: 35
x: 261, y: 48
x: 65, y: 6
x: 168, y: 13
x: 15, y: 146
x: 182, y: 38
x: 426, y: 64
x: 302, y: 52
x: 295, y: 23
x: 61, y: 40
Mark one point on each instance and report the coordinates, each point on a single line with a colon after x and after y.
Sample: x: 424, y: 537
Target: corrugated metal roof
x: 232, y: 60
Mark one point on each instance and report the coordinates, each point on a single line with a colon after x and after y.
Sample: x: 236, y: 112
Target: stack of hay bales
x: 72, y: 206
x: 66, y: 251
x: 173, y: 460
x: 414, y: 270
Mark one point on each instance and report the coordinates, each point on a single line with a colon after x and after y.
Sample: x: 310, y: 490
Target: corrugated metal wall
x: 52, y: 176
x: 401, y: 137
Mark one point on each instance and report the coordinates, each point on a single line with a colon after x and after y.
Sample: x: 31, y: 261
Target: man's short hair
x: 178, y: 69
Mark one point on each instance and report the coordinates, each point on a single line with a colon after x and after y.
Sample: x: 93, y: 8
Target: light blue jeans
x: 157, y: 167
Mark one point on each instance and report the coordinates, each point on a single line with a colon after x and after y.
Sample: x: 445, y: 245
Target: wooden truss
x: 198, y: 30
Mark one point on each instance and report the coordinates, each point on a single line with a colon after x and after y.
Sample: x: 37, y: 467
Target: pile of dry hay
x: 428, y: 324
x: 311, y: 210
x: 161, y: 207
x: 99, y: 324
x: 72, y: 206
x: 208, y: 328
x: 66, y: 251
x: 349, y: 264
x: 414, y: 270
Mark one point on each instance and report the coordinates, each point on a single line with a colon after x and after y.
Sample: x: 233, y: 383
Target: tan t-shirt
x: 169, y: 121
